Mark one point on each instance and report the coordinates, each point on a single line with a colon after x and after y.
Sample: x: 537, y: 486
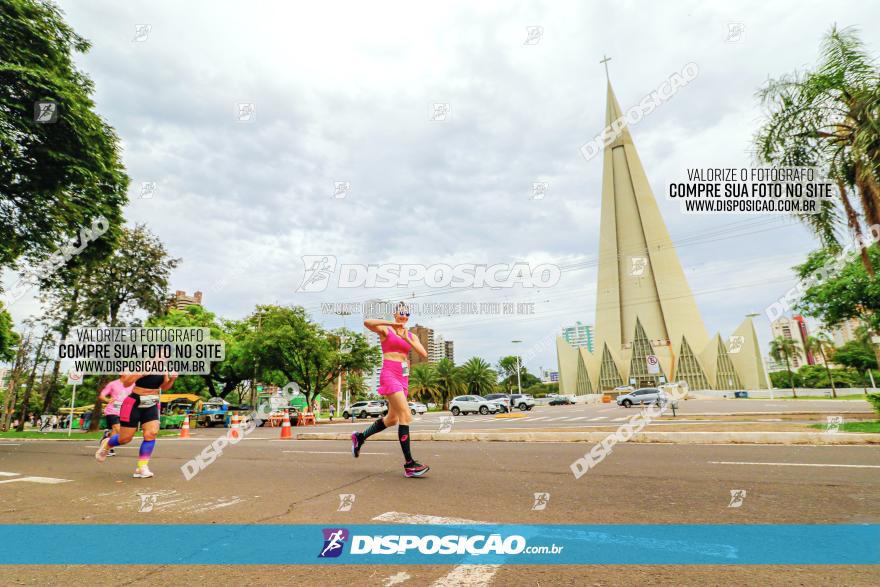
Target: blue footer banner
x: 370, y: 544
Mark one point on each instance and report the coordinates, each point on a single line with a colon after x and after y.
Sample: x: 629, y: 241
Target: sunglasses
x: 403, y: 314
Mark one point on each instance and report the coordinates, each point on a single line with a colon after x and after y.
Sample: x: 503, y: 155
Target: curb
x: 839, y: 438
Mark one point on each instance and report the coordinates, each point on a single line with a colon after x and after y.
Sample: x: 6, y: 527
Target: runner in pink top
x: 397, y: 342
x: 113, y: 393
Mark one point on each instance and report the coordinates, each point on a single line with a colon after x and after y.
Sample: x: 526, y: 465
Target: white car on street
x: 472, y: 404
x: 417, y: 408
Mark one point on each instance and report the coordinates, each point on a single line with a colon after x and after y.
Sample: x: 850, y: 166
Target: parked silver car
x: 373, y: 408
x: 645, y: 395
x: 472, y: 404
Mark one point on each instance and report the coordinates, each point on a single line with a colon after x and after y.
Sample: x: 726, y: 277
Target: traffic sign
x: 653, y: 364
x: 74, y: 377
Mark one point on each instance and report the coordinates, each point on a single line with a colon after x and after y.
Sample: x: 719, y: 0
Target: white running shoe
x: 101, y: 454
x: 142, y: 473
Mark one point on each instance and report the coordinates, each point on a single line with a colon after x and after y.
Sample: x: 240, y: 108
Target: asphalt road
x: 261, y: 480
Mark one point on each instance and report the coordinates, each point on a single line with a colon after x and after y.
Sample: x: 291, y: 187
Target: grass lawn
x: 854, y: 426
x: 76, y: 435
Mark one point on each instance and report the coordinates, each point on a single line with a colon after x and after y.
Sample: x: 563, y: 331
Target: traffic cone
x: 184, y: 429
x: 286, y: 431
x: 235, y: 432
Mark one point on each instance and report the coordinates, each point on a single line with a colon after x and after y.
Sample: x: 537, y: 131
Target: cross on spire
x: 605, y: 62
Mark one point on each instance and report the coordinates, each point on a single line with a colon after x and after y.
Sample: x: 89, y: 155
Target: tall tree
x: 448, y: 381
x: 9, y: 339
x: 478, y: 376
x: 830, y: 118
x: 286, y: 341
x: 424, y: 385
x: 821, y: 345
x: 60, y: 163
x: 783, y: 349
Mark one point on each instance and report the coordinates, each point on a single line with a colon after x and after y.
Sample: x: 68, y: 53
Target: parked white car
x: 417, y: 408
x: 472, y: 404
x: 373, y: 408
x: 522, y: 401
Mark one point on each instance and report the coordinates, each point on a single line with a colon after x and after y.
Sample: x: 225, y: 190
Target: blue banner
x: 370, y: 544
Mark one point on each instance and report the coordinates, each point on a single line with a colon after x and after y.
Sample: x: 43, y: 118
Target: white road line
x: 796, y: 464
x: 10, y: 444
x: 579, y: 418
x: 599, y: 418
x: 5, y: 474
x: 531, y: 419
x: 42, y: 480
x: 559, y: 418
x: 460, y: 576
x: 332, y: 452
x: 621, y: 419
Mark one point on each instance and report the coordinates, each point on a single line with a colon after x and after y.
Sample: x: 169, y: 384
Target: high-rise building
x: 426, y: 337
x: 790, y: 328
x: 439, y: 349
x: 648, y: 328
x: 449, y: 350
x: 182, y: 301
x: 846, y: 331
x: 579, y: 335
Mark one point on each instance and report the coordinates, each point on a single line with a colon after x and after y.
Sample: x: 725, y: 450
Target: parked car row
x: 377, y: 408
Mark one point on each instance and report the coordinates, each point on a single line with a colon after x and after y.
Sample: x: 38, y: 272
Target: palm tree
x: 822, y: 345
x: 423, y: 382
x: 448, y: 381
x: 783, y: 349
x: 830, y: 118
x: 478, y: 376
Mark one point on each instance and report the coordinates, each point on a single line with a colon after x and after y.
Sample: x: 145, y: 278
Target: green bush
x: 874, y: 398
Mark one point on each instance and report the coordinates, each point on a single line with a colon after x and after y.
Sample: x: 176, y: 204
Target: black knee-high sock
x: 403, y: 437
x: 374, y: 428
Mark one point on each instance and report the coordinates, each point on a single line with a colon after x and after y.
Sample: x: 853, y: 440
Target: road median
x: 666, y: 437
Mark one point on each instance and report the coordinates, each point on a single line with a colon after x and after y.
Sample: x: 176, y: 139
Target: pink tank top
x: 394, y: 343
x: 117, y: 393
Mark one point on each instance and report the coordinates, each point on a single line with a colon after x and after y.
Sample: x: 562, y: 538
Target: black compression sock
x: 374, y: 428
x: 403, y: 437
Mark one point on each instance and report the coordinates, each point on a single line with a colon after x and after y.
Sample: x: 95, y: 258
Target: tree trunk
x: 828, y: 370
x: 790, y: 377
x: 852, y: 219
x: 53, y: 387
x: 30, y: 384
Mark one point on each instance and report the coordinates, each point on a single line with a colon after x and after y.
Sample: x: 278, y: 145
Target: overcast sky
x: 343, y: 92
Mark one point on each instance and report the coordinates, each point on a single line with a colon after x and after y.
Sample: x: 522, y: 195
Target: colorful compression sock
x: 114, y: 441
x: 145, y: 452
x: 403, y: 437
x: 374, y: 428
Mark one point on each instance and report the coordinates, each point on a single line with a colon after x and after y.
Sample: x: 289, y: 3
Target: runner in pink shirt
x: 116, y: 392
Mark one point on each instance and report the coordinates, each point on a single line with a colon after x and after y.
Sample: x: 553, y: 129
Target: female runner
x: 394, y: 385
x: 117, y: 392
x: 140, y: 407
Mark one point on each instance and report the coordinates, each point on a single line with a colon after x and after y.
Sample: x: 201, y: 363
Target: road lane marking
x: 10, y: 444
x: 599, y: 418
x: 539, y: 418
x: 619, y: 419
x: 332, y: 452
x: 42, y: 480
x: 579, y: 418
x: 796, y: 464
x: 468, y: 575
x: 559, y: 418
x: 6, y: 474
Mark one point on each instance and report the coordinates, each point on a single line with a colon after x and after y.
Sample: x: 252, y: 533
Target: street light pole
x: 518, y: 369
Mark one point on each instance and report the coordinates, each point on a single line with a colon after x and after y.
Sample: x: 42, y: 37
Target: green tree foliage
x: 856, y: 354
x: 55, y: 176
x: 449, y: 381
x: 478, y: 377
x: 828, y: 118
x: 784, y: 349
x: 424, y: 385
x: 8, y: 337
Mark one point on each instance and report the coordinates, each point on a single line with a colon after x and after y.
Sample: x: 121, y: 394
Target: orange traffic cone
x: 286, y: 431
x: 235, y: 432
x: 184, y: 429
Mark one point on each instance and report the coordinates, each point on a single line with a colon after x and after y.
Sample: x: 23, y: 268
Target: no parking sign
x: 74, y: 377
x: 653, y: 364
